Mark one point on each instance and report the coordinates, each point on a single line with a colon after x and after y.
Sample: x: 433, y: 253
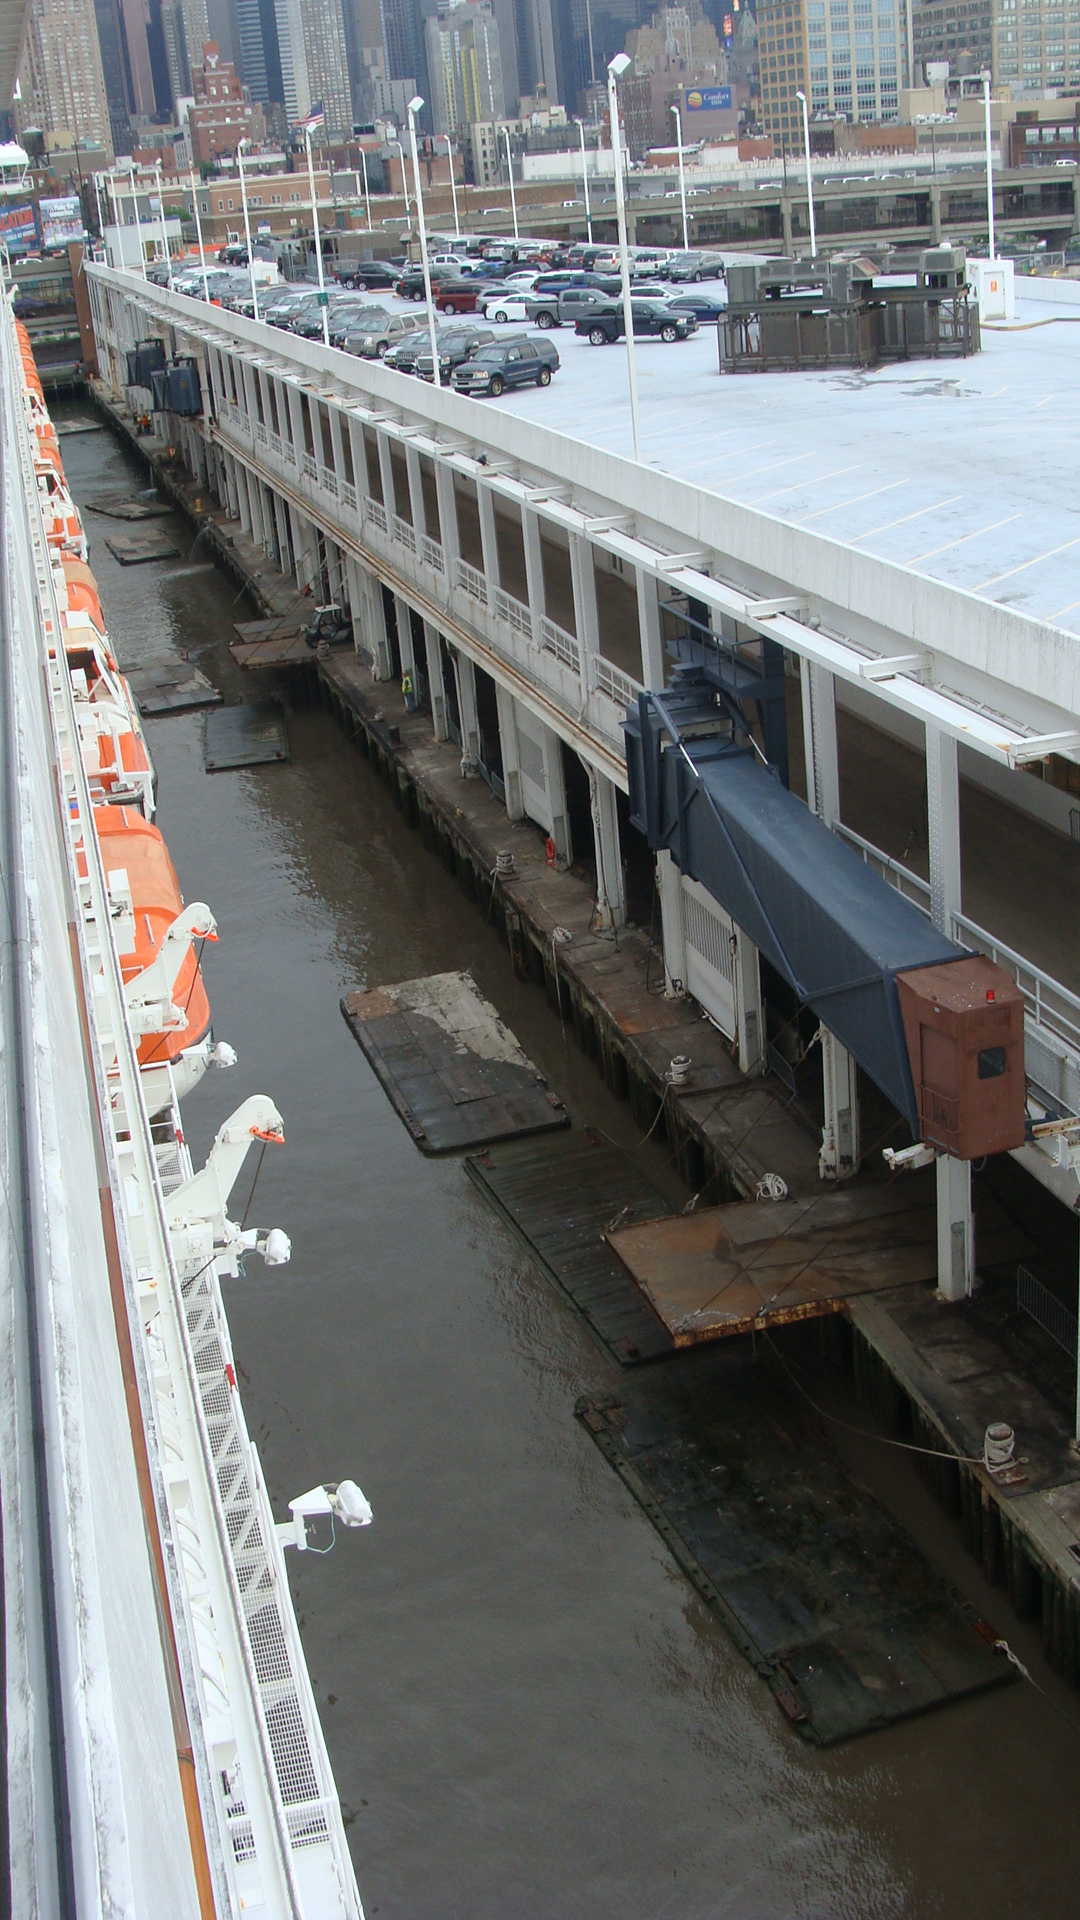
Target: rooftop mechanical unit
x: 893, y: 305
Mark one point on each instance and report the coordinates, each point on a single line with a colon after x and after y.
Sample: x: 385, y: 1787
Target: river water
x: 530, y: 1714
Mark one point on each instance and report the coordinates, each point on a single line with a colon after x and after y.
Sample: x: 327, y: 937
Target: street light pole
x: 240, y: 145
x: 404, y: 180
x: 453, y: 185
x: 809, y: 173
x: 989, y: 166
x: 367, y: 196
x: 585, y: 179
x: 682, y: 180
x: 615, y: 68
x: 318, y: 241
x: 198, y: 236
x: 415, y: 106
x: 164, y: 228
x: 510, y: 171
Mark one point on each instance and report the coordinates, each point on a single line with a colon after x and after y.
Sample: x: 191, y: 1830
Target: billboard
x: 707, y: 99
x: 61, y: 221
x: 18, y: 229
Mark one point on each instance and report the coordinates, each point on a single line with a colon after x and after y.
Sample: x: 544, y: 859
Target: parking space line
x: 852, y: 500
x: 1024, y: 564
x: 962, y: 540
x: 816, y: 480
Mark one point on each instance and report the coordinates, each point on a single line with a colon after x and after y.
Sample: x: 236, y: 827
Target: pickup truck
x: 605, y: 324
x: 565, y: 306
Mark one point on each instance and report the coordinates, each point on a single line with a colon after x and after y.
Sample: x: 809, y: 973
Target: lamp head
x: 800, y: 95
x: 416, y: 103
x: 617, y: 67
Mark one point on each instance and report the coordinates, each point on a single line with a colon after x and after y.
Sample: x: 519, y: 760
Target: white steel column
x: 386, y: 470
x: 335, y: 443
x: 586, y: 617
x: 955, y: 1221
x: 672, y: 923
x: 555, y: 781
x: 534, y: 566
x: 436, y: 683
x: 296, y: 421
x: 839, y: 1156
x: 448, y: 523
x: 508, y: 742
x: 470, y: 725
x: 489, y: 542
x: 649, y: 631
x: 404, y: 635
x: 243, y: 500
x: 416, y: 491
x: 285, y: 552
x: 610, y: 889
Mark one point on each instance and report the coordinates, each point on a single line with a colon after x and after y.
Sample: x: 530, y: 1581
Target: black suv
x: 368, y: 273
x: 514, y: 363
x: 650, y: 317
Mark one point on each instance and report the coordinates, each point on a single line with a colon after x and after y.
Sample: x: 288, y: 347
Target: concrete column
x: 386, y: 471
x: 285, y: 553
x: 610, y: 890
x: 672, y: 924
x: 489, y: 543
x: 508, y: 740
x: 955, y: 1220
x: 448, y: 526
x: 586, y: 617
x: 355, y: 431
x: 416, y: 491
x: 404, y: 634
x: 839, y: 1156
x: 436, y: 684
x: 555, y: 782
x: 231, y: 489
x: 296, y: 421
x: 335, y: 442
x: 369, y: 623
x: 470, y: 725
x: 243, y: 506
x: 534, y: 566
x: 935, y: 212
x: 649, y: 631
x: 307, y: 554
x: 247, y: 388
x: 785, y: 215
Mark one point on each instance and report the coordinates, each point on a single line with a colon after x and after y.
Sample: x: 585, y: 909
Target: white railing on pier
x: 375, y: 514
x: 431, y: 554
x: 348, y: 495
x: 514, y: 612
x: 472, y: 582
x: 404, y: 532
x: 562, y: 645
x: 261, y: 434
x: 308, y: 468
x: 611, y: 680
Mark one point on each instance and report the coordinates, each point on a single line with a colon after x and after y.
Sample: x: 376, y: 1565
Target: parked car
x: 367, y: 273
x: 706, y: 308
x: 506, y: 303
x: 556, y: 308
x: 456, y: 345
x: 373, y: 343
x: 650, y: 317
x: 694, y: 266
x: 516, y: 363
x: 350, y: 319
x: 455, y: 296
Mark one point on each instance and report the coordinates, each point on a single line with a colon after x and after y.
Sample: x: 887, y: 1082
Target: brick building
x: 222, y: 112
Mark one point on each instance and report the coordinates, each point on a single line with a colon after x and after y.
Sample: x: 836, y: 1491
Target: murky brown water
x: 530, y: 1714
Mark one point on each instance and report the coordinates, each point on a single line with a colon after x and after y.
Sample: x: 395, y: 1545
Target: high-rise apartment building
x: 959, y: 31
x: 60, y: 76
x: 465, y: 66
x: 260, y: 55
x: 314, y: 67
x: 847, y: 56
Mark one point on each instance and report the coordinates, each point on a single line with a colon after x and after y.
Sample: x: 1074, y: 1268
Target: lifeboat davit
x: 131, y: 844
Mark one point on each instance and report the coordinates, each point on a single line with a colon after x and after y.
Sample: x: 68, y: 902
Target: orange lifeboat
x: 129, y: 842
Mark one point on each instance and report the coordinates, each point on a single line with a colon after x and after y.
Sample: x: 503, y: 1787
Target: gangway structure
x: 164, y: 1753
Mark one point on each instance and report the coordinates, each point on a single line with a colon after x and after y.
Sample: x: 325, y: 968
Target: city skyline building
x: 61, y: 78
x: 314, y: 67
x: 465, y: 66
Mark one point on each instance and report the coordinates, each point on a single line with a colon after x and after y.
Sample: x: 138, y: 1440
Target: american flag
x: 316, y: 117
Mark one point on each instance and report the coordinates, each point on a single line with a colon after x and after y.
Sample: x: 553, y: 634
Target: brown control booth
x: 964, y: 1026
